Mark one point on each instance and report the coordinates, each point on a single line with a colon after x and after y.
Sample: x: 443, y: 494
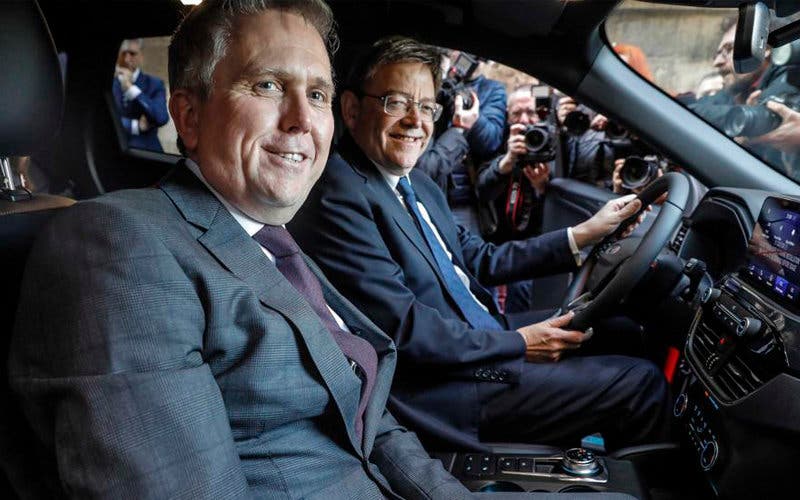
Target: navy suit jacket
x: 368, y: 245
x: 151, y: 102
x: 158, y: 353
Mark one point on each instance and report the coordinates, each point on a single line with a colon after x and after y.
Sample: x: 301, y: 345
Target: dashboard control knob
x: 580, y: 462
x: 681, y: 404
x: 749, y: 327
x: 709, y: 455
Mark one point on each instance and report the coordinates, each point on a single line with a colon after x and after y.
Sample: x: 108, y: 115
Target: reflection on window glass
x: 140, y: 94
x: 689, y: 53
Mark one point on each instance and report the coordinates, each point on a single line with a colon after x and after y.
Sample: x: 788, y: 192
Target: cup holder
x: 577, y: 488
x: 496, y: 486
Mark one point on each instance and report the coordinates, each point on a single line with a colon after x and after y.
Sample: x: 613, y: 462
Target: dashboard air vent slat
x: 734, y: 379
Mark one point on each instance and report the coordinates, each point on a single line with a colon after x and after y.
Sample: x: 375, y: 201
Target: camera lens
x: 637, y: 172
x: 576, y: 122
x: 539, y: 143
x: 536, y: 139
x: 750, y: 121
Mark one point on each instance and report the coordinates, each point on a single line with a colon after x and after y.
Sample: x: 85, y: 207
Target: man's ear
x: 351, y: 107
x: 184, y: 107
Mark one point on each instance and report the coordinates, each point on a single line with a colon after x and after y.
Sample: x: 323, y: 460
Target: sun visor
x: 519, y: 19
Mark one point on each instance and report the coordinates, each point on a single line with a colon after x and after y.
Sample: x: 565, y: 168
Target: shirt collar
x: 250, y: 225
x: 136, y: 74
x: 389, y: 177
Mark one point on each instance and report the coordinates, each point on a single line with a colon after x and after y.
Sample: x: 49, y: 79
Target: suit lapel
x: 225, y: 239
x: 140, y: 81
x: 360, y: 325
x: 399, y: 212
x: 404, y: 220
x: 443, y: 222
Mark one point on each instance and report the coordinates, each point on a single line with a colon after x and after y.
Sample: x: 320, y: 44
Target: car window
x: 558, y: 130
x: 687, y: 52
x: 140, y: 92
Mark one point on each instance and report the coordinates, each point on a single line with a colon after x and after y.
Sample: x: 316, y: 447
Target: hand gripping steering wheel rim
x: 632, y: 270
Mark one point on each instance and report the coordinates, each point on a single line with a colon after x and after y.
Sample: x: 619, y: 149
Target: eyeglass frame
x: 438, y: 108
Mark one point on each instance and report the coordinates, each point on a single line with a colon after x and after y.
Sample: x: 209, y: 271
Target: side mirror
x: 752, y: 30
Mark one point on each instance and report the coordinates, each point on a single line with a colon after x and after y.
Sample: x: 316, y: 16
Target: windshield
x: 688, y: 53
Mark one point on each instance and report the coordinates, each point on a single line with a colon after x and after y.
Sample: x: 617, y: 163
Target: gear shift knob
x: 580, y: 462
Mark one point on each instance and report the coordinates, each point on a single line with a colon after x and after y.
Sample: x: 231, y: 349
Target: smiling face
x: 262, y: 137
x: 395, y: 143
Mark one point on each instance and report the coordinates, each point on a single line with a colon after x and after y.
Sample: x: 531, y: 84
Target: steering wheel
x: 592, y: 305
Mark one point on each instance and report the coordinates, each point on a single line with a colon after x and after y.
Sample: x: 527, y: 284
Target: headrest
x: 31, y: 90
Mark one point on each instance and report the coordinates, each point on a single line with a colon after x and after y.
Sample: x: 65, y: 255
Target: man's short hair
x: 204, y: 35
x: 391, y: 50
x: 126, y: 43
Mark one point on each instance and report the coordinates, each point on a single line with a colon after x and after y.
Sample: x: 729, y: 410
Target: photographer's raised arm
x: 786, y: 137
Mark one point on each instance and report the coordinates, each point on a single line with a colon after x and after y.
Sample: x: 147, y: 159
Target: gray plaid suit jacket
x: 158, y: 353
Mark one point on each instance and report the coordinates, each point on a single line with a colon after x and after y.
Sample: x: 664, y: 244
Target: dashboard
x: 738, y: 384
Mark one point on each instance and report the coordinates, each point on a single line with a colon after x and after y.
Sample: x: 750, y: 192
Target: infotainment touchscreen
x: 773, y: 254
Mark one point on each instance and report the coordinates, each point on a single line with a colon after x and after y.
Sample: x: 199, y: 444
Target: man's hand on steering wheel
x: 633, y: 263
x: 607, y: 220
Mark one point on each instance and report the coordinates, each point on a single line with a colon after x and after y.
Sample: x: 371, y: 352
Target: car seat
x: 31, y: 107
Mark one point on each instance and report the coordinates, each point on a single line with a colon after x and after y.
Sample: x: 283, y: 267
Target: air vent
x: 733, y: 380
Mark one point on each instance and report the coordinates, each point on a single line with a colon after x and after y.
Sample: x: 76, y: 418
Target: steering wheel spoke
x: 631, y: 271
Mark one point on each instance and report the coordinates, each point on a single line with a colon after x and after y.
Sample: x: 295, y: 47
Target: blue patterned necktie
x: 475, y: 315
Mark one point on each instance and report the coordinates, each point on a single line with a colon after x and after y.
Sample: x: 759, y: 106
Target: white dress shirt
x: 392, y: 180
x: 250, y: 225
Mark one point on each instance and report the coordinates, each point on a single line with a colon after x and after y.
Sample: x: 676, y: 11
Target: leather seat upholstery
x: 31, y: 108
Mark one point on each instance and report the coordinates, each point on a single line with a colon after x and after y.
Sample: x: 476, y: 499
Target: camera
x: 576, y: 122
x: 456, y: 84
x: 540, y: 141
x: 637, y: 172
x: 615, y: 131
x: 751, y: 121
x: 448, y: 92
x: 542, y: 95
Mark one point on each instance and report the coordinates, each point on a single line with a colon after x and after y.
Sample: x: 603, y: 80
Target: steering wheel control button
x: 580, y: 462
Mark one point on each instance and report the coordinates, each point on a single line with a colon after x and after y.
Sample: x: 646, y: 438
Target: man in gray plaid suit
x: 172, y: 342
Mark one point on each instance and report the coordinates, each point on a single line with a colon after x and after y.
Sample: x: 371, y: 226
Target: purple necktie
x: 290, y: 263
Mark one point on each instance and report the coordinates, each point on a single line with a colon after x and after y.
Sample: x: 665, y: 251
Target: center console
x: 572, y: 470
x: 738, y: 370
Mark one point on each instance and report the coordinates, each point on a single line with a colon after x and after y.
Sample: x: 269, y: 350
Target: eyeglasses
x: 400, y: 105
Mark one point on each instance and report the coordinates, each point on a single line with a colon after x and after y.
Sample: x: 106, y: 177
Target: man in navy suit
x: 382, y: 232
x: 140, y: 98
